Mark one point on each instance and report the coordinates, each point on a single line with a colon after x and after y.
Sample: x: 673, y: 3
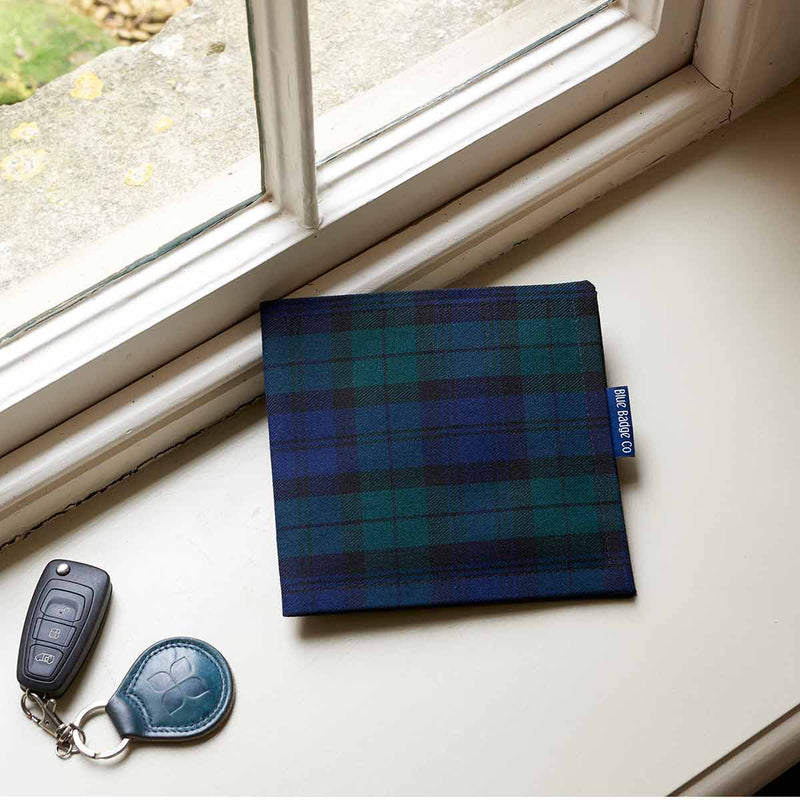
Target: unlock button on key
x: 43, y: 661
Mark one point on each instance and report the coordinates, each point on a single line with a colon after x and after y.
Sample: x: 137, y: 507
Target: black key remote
x: 63, y: 620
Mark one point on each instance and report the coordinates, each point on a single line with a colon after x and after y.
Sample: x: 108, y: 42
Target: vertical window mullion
x: 279, y: 45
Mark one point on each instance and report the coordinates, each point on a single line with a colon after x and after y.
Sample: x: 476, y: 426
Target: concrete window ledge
x: 125, y: 133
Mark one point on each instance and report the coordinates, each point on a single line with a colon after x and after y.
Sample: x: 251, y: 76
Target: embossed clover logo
x: 177, y: 684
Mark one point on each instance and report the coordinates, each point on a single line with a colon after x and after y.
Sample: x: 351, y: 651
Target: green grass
x: 40, y: 40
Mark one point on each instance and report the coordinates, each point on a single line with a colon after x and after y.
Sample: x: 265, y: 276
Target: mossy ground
x: 40, y: 40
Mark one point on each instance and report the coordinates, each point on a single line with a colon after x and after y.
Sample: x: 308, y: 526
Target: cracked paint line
x: 20, y: 537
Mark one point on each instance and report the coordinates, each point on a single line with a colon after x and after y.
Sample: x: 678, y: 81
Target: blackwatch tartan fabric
x: 442, y: 447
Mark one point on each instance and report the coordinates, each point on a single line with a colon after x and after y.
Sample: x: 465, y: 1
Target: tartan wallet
x: 442, y: 447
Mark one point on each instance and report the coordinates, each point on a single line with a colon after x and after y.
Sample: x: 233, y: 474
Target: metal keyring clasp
x: 79, y: 739
x: 46, y: 719
x: 49, y: 721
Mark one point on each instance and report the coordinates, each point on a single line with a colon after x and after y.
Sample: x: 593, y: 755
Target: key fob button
x: 43, y: 661
x: 53, y: 632
x: 63, y: 605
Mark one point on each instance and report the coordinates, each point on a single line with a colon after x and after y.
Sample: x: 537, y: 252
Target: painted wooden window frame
x: 150, y: 315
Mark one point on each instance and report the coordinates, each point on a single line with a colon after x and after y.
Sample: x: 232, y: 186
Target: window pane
x: 124, y: 124
x: 376, y: 62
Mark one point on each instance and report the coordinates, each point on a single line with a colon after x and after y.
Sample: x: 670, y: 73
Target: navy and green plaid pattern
x: 442, y: 447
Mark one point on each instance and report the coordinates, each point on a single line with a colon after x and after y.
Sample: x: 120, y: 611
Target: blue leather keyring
x: 178, y: 689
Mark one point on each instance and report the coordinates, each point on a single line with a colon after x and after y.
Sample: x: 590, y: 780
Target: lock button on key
x: 63, y: 605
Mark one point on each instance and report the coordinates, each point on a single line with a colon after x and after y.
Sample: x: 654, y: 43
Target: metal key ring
x: 79, y: 739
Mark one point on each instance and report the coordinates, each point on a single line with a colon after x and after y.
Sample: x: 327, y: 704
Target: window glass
x: 124, y: 124
x: 376, y: 62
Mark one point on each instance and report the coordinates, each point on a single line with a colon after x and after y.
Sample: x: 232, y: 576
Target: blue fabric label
x: 619, y: 413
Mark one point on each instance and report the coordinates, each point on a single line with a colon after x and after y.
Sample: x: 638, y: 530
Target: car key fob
x: 64, y: 617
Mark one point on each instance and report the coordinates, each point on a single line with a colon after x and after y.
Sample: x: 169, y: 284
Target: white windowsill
x: 643, y: 694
